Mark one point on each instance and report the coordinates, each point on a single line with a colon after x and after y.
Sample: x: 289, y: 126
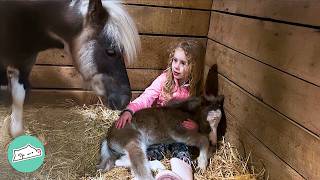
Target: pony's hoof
x: 15, y: 133
x: 16, y: 129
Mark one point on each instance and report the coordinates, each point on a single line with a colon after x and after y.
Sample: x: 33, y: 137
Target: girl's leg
x: 181, y: 161
x: 157, y: 151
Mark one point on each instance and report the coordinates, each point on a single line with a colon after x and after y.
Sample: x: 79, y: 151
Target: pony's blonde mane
x: 122, y: 29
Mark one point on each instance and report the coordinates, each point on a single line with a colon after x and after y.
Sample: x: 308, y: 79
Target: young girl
x: 181, y: 79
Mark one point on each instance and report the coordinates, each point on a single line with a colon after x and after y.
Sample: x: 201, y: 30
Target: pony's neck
x: 69, y: 24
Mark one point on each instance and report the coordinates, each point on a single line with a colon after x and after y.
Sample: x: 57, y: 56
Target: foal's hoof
x: 202, y: 164
x: 99, y: 167
x: 12, y: 72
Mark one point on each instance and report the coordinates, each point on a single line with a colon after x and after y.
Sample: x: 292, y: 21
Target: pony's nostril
x: 125, y: 99
x: 119, y: 102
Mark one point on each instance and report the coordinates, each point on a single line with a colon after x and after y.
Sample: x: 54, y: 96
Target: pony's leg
x: 138, y: 159
x: 3, y: 78
x: 18, y: 93
x: 107, y: 159
x: 198, y: 140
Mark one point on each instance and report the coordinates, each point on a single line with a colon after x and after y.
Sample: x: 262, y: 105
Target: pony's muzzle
x: 118, y: 101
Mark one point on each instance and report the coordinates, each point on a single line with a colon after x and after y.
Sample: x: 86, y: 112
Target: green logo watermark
x: 26, y: 153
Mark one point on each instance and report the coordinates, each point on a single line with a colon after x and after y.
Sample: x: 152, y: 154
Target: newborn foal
x: 160, y: 125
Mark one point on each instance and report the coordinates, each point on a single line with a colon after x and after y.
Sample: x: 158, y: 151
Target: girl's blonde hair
x: 194, y: 53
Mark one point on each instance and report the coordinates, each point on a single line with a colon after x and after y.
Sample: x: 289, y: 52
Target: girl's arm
x: 145, y: 100
x: 150, y: 94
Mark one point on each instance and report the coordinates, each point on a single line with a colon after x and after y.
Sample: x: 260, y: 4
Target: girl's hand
x: 190, y: 125
x: 125, y: 118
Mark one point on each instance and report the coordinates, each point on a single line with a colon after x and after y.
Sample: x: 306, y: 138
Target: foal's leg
x: 214, y: 118
x: 124, y: 161
x: 107, y: 159
x: 138, y: 159
x: 198, y: 140
x: 18, y: 95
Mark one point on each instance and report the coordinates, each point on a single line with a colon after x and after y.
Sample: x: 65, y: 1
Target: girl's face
x: 180, y: 65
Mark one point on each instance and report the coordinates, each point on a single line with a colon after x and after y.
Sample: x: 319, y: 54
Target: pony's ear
x: 96, y: 15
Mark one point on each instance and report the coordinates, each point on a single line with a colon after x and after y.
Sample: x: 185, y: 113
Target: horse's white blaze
x: 85, y: 61
x: 98, y: 85
x: 83, y: 52
x: 18, y: 95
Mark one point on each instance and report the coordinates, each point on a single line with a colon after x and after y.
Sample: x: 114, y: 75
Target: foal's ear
x: 220, y: 99
x: 96, y: 15
x: 193, y: 103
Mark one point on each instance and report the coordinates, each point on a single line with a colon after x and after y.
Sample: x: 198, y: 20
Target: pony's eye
x: 110, y: 52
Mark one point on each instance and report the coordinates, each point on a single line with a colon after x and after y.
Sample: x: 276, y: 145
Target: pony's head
x: 108, y: 38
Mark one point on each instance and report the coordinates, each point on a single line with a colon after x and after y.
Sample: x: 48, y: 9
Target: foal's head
x: 108, y: 38
x: 209, y: 103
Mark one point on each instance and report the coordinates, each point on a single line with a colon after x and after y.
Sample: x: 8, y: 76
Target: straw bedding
x: 72, y: 136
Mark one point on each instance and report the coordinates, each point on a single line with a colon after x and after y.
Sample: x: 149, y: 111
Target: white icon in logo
x: 25, y: 153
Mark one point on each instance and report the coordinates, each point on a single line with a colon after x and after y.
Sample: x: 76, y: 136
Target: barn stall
x: 261, y: 55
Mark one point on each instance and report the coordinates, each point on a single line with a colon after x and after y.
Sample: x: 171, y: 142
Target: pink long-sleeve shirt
x: 153, y: 94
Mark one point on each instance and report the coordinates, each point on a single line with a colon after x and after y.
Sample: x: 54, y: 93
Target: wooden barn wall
x: 160, y: 23
x: 267, y: 54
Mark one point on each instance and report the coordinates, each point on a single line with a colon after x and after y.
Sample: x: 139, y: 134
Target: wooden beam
x: 292, y: 49
x: 293, y: 97
x: 196, y: 4
x: 154, y: 53
x: 158, y: 20
x: 68, y: 78
x: 302, y: 11
x: 260, y: 155
x: 288, y: 140
x: 56, y: 97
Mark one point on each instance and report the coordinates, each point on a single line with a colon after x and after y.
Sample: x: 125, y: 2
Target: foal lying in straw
x: 161, y: 125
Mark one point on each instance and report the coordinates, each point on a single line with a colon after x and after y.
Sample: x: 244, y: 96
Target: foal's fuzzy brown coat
x: 159, y: 125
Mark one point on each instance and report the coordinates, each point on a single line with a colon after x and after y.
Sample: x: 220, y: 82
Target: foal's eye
x: 110, y: 52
